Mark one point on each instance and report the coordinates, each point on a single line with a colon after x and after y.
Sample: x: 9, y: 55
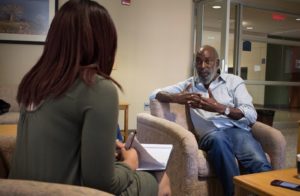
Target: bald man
x: 222, y: 113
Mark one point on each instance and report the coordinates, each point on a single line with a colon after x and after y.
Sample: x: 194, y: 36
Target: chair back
x: 170, y: 111
x: 7, y: 146
x: 174, y: 112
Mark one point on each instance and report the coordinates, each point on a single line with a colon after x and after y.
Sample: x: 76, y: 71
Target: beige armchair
x: 9, y: 187
x: 189, y: 171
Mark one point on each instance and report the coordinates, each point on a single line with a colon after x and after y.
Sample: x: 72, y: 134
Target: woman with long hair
x: 69, y: 109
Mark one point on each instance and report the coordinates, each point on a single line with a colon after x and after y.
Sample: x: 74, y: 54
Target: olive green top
x: 71, y: 140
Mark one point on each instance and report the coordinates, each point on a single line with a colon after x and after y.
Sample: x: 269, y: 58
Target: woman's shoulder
x: 102, y: 82
x: 100, y: 86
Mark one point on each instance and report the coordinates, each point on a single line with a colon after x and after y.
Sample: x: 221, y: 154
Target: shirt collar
x: 222, y: 76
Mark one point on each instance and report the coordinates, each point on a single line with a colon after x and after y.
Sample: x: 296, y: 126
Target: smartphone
x: 284, y: 184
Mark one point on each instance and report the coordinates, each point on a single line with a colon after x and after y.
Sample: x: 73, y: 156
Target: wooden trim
x: 298, y: 145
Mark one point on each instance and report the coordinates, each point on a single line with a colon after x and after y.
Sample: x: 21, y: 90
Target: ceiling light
x: 216, y: 7
x: 298, y: 19
x: 125, y: 2
x: 249, y: 28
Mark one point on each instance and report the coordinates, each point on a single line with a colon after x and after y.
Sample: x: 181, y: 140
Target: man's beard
x: 207, y: 79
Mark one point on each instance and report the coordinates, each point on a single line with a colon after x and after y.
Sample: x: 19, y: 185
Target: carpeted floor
x: 290, y: 132
x: 287, y: 122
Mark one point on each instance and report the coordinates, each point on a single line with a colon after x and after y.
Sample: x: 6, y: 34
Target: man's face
x: 207, y: 65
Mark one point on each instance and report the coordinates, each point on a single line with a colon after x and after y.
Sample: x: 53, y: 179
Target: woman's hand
x: 130, y: 156
x: 118, y: 154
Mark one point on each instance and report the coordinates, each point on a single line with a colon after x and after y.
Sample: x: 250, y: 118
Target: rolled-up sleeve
x: 243, y: 102
x: 176, y: 88
x: 153, y: 94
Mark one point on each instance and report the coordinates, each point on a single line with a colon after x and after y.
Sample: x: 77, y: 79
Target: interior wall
x: 154, y: 49
x: 256, y: 69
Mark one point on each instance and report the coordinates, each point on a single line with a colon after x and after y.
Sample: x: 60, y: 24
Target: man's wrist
x: 164, y: 97
x: 173, y: 98
x: 224, y: 110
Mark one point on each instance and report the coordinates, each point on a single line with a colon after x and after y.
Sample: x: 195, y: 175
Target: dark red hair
x: 81, y: 42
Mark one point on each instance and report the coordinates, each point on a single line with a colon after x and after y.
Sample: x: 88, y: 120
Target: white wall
x: 154, y: 49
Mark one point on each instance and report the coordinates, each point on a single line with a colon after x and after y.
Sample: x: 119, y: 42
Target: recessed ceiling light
x: 249, y: 28
x: 216, y: 7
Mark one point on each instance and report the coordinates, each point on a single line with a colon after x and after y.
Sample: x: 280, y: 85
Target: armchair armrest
x: 273, y: 143
x: 7, y: 146
x: 11, y: 187
x: 183, y: 163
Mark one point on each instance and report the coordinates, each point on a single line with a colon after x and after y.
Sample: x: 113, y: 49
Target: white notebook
x: 151, y: 156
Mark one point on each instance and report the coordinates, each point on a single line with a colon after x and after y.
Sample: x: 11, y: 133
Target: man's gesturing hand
x: 209, y: 104
x: 185, y: 97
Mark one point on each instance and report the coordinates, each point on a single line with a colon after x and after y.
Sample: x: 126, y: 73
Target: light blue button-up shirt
x: 228, y: 90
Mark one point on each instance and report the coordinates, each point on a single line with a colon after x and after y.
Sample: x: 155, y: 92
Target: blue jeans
x: 223, y: 146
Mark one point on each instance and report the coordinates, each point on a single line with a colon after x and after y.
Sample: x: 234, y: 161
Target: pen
x: 132, y: 138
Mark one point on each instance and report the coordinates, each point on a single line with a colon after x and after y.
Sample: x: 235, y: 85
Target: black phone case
x: 279, y: 184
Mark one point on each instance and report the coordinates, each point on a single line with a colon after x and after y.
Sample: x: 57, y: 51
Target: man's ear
x: 218, y: 63
x: 218, y: 66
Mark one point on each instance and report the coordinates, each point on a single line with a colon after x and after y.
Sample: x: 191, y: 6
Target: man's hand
x: 184, y: 97
x: 208, y: 104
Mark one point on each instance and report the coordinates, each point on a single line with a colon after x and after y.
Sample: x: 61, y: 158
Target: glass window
x: 263, y: 46
x: 271, y: 54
